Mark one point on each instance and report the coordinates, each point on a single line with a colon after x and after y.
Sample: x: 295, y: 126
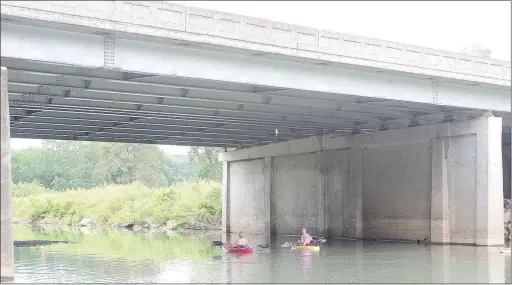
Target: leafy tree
x: 477, y: 50
x: 125, y: 163
x: 205, y: 161
x: 62, y: 165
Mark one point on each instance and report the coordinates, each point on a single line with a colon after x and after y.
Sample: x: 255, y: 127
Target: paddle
x: 315, y: 241
x: 220, y: 243
x: 319, y: 239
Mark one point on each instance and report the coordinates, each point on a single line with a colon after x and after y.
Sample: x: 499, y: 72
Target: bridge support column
x: 458, y: 164
x: 440, y: 222
x: 268, y: 173
x: 226, y: 201
x: 7, y: 247
x: 353, y: 198
x: 489, y: 185
x: 441, y: 182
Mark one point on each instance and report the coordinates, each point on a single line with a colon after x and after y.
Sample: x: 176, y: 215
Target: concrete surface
x: 396, y: 191
x: 337, y: 175
x: 247, y: 196
x: 166, y: 22
x: 7, y: 272
x: 443, y: 182
x: 507, y: 178
x: 146, y: 59
x: 141, y: 73
x: 299, y: 194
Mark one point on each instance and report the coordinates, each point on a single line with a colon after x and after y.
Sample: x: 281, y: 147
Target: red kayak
x: 238, y: 250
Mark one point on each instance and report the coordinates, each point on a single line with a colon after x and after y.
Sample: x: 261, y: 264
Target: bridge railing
x: 202, y: 25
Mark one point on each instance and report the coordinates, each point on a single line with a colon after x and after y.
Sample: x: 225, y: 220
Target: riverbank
x: 185, y: 206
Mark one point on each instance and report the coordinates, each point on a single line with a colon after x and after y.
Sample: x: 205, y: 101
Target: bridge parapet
x: 185, y: 23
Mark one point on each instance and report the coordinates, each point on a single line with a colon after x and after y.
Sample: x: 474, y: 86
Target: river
x: 127, y: 257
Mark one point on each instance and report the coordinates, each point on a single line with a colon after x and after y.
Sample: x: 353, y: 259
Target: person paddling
x: 305, y: 239
x: 241, y: 242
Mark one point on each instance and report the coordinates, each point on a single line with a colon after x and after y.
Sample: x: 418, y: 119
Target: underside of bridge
x: 341, y: 165
x: 344, y: 150
x: 52, y: 101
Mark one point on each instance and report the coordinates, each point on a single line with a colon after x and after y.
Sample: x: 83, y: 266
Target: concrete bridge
x: 345, y: 135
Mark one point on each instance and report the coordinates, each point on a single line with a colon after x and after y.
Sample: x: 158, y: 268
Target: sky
x: 445, y: 25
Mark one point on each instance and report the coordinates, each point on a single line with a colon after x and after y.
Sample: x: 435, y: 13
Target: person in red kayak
x: 241, y: 242
x: 305, y: 239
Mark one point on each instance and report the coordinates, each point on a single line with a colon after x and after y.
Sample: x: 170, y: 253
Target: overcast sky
x: 446, y: 25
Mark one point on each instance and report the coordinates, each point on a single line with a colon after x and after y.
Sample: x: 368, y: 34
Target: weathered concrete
x: 299, y: 194
x: 443, y: 182
x: 507, y: 177
x: 398, y: 177
x: 337, y: 172
x: 169, y: 22
x: 7, y: 271
x: 226, y: 201
x: 247, y: 183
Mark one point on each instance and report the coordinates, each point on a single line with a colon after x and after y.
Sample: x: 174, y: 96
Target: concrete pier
x: 7, y: 254
x: 442, y: 181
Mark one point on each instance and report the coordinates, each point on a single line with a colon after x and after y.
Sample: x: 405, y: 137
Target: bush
x: 120, y: 204
x: 27, y: 189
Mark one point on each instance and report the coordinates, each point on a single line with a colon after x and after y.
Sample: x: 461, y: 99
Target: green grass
x: 121, y: 204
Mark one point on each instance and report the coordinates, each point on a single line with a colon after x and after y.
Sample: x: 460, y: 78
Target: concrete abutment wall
x: 7, y: 247
x: 441, y: 181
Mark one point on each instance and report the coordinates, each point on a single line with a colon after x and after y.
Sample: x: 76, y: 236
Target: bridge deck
x: 253, y: 36
x: 149, y: 74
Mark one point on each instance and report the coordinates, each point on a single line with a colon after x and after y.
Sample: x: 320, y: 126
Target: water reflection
x: 127, y: 257
x: 307, y: 264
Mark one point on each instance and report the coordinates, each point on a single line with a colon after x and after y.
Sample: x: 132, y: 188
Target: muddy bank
x: 30, y: 243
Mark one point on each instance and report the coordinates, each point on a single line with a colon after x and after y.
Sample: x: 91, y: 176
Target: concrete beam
x: 6, y: 245
x: 23, y: 42
x: 368, y: 140
x: 238, y: 35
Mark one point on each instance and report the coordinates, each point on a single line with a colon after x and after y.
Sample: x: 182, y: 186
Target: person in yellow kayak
x: 241, y: 242
x: 305, y: 239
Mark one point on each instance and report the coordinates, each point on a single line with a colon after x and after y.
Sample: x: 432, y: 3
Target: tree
x: 124, y: 163
x: 205, y: 161
x: 475, y: 49
x: 62, y: 165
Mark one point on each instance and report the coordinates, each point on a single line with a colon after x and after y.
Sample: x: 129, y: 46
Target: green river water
x: 126, y: 257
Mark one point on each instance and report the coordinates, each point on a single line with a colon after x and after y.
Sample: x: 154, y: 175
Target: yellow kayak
x: 308, y: 248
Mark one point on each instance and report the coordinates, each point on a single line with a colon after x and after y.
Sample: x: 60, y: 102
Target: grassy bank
x: 185, y: 204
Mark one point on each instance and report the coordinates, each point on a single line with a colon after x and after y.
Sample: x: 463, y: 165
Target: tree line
x: 61, y: 165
